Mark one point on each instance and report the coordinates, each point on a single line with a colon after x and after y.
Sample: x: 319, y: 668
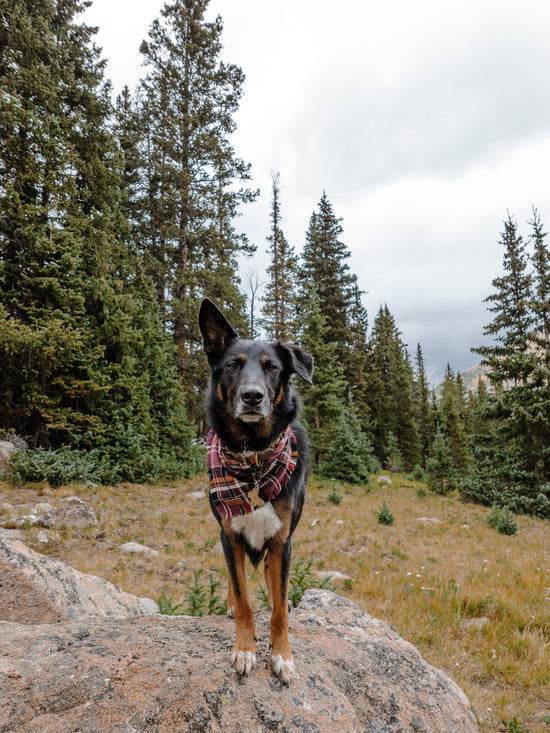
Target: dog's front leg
x: 243, y: 656
x: 278, y: 566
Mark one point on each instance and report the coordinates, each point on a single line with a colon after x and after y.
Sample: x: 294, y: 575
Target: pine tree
x: 324, y: 400
x: 440, y: 471
x: 279, y: 306
x: 324, y: 267
x: 424, y: 417
x: 357, y: 362
x: 513, y: 364
x: 541, y: 294
x: 540, y: 388
x: 83, y: 360
x: 512, y: 324
x: 349, y: 456
x: 390, y: 391
x: 191, y: 179
x: 452, y: 415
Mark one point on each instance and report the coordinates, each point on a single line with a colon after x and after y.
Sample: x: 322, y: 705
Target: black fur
x: 242, y: 370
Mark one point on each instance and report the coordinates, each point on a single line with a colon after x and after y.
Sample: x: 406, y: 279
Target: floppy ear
x: 301, y: 361
x: 216, y: 331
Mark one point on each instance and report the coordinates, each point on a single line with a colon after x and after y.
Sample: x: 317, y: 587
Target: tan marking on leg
x: 282, y: 663
x: 243, y: 656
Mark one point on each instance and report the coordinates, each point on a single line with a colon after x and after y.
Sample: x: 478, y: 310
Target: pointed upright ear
x: 299, y: 361
x: 216, y: 331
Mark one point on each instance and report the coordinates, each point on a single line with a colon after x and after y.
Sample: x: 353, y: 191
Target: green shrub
x: 120, y: 463
x: 505, y: 523
x: 167, y: 606
x: 198, y: 602
x: 502, y: 520
x: 302, y: 578
x: 350, y: 454
x: 385, y: 516
x: 334, y: 495
x: 418, y: 473
x: 514, y: 726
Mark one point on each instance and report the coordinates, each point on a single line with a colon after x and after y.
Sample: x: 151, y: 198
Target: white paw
x: 283, y: 668
x: 231, y: 612
x: 243, y: 662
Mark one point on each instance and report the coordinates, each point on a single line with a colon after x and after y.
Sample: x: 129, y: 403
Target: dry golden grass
x: 476, y: 603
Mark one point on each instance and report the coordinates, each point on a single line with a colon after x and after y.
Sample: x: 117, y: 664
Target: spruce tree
x: 541, y: 295
x: 424, y: 417
x: 349, y: 456
x: 453, y: 422
x: 279, y: 303
x: 390, y: 391
x: 324, y: 400
x: 83, y: 360
x: 540, y: 393
x: 514, y: 372
x: 192, y: 180
x: 440, y: 471
x: 324, y: 267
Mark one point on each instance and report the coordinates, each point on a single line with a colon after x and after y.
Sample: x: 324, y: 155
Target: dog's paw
x: 283, y: 668
x: 244, y: 662
x: 231, y: 612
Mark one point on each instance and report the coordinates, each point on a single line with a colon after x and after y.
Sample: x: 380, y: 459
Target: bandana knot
x: 239, y: 483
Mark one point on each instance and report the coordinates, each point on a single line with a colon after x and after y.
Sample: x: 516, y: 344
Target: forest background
x: 117, y: 218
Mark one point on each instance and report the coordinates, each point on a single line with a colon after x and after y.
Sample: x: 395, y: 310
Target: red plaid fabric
x: 232, y: 477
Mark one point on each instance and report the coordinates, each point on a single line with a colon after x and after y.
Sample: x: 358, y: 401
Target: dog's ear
x: 299, y: 361
x: 216, y: 331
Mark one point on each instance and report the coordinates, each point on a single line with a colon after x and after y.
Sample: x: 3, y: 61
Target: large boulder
x: 35, y: 589
x: 6, y: 449
x: 165, y: 674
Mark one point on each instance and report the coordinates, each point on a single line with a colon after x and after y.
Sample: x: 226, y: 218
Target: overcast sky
x: 423, y: 121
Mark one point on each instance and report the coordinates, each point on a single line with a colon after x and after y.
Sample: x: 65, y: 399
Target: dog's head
x: 250, y: 378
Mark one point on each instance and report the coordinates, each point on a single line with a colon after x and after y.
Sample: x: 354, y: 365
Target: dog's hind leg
x: 278, y: 565
x: 243, y: 656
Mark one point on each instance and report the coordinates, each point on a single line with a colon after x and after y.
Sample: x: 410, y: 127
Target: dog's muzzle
x: 252, y: 403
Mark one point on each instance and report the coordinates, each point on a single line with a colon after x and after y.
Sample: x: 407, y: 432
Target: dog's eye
x: 232, y: 366
x: 272, y: 368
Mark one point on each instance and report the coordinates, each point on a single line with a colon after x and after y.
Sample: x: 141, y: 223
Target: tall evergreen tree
x: 279, y: 307
x: 191, y: 179
x: 83, y: 360
x: 512, y: 324
x: 453, y: 422
x: 357, y: 362
x: 324, y: 400
x: 391, y: 399
x: 324, y: 267
x: 513, y: 364
x: 541, y: 295
x: 424, y: 417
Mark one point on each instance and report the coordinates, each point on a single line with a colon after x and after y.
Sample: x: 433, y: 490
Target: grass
x: 475, y: 602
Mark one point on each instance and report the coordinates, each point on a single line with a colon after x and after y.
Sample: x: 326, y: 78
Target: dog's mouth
x: 251, y: 416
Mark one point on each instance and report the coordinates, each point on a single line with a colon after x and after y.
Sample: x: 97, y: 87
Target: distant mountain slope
x: 472, y: 377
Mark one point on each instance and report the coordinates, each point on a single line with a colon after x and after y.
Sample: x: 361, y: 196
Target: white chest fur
x: 258, y: 526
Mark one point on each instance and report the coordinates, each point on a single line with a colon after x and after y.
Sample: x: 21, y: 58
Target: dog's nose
x: 252, y: 397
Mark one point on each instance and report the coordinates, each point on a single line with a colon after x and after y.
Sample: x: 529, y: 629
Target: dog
x: 257, y: 462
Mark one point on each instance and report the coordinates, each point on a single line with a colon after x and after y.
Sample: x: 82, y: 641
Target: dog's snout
x: 252, y: 397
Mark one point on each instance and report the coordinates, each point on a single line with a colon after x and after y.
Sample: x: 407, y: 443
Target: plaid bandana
x: 239, y: 484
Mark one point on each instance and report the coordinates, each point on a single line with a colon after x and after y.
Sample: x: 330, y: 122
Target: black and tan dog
x: 257, y: 462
